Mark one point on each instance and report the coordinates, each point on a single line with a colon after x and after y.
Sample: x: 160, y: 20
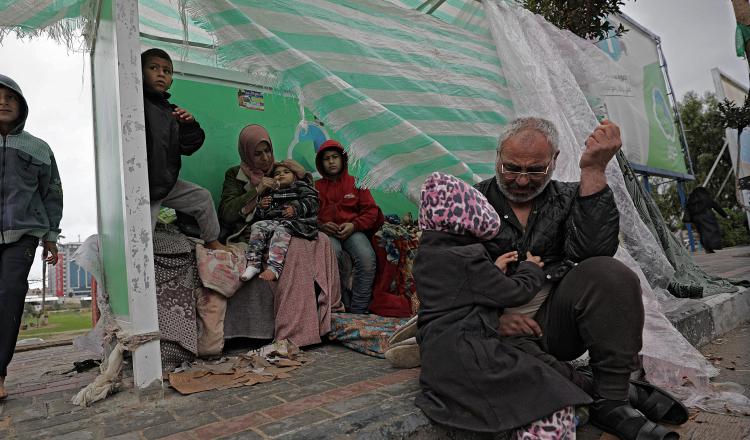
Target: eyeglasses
x: 510, y: 171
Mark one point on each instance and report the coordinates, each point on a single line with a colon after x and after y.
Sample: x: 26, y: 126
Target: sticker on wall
x: 251, y: 99
x: 299, y: 148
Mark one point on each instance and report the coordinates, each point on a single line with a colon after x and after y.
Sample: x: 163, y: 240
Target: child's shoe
x: 249, y: 273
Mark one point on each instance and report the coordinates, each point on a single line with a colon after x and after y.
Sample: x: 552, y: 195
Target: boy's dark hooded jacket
x: 31, y: 199
x: 166, y: 141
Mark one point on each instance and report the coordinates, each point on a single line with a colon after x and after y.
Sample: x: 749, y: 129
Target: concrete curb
x: 702, y: 321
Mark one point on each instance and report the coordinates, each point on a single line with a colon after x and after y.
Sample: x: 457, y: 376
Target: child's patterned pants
x: 277, y: 237
x: 559, y: 425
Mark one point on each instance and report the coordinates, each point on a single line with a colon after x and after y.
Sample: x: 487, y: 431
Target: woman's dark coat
x: 471, y: 377
x: 699, y: 209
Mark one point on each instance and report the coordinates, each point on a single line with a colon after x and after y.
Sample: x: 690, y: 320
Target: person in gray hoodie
x: 31, y: 203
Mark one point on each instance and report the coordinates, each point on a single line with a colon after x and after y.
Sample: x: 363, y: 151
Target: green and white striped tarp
x: 39, y: 14
x: 409, y: 93
x: 61, y: 20
x: 468, y: 14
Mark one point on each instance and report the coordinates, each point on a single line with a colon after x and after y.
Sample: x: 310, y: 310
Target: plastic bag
x: 220, y: 270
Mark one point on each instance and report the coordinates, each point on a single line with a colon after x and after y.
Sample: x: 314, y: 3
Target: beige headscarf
x: 250, y: 137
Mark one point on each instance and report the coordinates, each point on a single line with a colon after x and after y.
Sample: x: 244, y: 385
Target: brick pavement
x: 731, y: 262
x: 339, y: 388
x: 340, y: 394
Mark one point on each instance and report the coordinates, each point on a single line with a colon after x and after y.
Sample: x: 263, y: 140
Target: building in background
x: 67, y: 278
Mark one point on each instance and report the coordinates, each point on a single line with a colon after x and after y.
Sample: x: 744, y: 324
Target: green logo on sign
x: 662, y: 114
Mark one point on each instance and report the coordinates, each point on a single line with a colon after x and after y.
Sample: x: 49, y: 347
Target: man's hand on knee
x: 514, y: 324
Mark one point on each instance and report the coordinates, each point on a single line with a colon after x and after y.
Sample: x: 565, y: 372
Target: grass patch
x: 59, y: 322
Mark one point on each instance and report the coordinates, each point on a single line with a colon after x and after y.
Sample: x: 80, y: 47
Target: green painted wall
x: 109, y: 166
x: 217, y: 109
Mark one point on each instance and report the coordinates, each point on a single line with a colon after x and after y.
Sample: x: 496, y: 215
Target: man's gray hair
x: 542, y: 126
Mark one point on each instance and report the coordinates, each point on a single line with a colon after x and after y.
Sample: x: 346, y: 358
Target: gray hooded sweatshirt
x: 31, y: 198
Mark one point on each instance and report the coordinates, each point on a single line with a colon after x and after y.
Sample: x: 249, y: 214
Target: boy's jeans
x: 364, y: 263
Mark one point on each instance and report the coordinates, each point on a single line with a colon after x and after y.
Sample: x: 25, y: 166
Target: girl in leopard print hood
x: 471, y: 377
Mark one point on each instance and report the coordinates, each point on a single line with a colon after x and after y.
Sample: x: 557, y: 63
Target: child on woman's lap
x: 290, y: 210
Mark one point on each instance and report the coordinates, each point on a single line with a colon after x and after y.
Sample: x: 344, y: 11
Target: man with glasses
x: 590, y: 301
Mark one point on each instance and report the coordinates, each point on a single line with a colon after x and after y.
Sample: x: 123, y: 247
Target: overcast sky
x: 697, y: 35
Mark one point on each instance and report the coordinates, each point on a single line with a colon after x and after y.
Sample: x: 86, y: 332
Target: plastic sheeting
x: 551, y: 73
x: 88, y: 258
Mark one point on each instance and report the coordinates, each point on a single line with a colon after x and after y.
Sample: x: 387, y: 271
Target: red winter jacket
x: 341, y: 201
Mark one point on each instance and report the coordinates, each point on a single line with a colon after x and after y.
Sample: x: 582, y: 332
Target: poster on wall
x: 251, y: 99
x: 646, y: 118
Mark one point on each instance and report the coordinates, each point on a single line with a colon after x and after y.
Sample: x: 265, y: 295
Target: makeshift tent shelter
x: 409, y: 94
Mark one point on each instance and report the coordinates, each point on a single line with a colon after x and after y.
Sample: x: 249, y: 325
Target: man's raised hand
x: 601, y: 145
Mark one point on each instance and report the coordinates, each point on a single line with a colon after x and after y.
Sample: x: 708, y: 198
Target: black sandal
x: 627, y: 423
x: 656, y: 404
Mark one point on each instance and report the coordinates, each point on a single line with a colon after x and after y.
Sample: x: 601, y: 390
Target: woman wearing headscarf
x: 292, y: 307
x: 243, y: 182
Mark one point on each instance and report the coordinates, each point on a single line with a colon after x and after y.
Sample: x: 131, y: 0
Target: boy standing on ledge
x: 172, y: 131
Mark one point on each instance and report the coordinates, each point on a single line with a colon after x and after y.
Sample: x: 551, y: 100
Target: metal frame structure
x: 730, y: 139
x: 123, y: 204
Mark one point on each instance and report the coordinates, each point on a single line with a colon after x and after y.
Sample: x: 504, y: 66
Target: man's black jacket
x: 563, y: 227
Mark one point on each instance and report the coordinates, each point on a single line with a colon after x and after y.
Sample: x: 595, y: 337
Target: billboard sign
x: 650, y: 136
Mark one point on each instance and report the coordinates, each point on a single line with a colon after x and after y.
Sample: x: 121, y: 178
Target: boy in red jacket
x: 348, y: 215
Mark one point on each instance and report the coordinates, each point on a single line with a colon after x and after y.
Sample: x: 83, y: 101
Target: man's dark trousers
x: 597, y: 307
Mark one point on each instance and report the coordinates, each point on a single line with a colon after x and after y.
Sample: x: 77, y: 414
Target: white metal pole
x: 726, y: 179
x: 122, y: 181
x: 137, y: 214
x: 716, y: 163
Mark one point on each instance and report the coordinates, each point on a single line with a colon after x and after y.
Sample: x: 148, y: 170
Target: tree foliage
x: 734, y: 116
x: 585, y: 18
